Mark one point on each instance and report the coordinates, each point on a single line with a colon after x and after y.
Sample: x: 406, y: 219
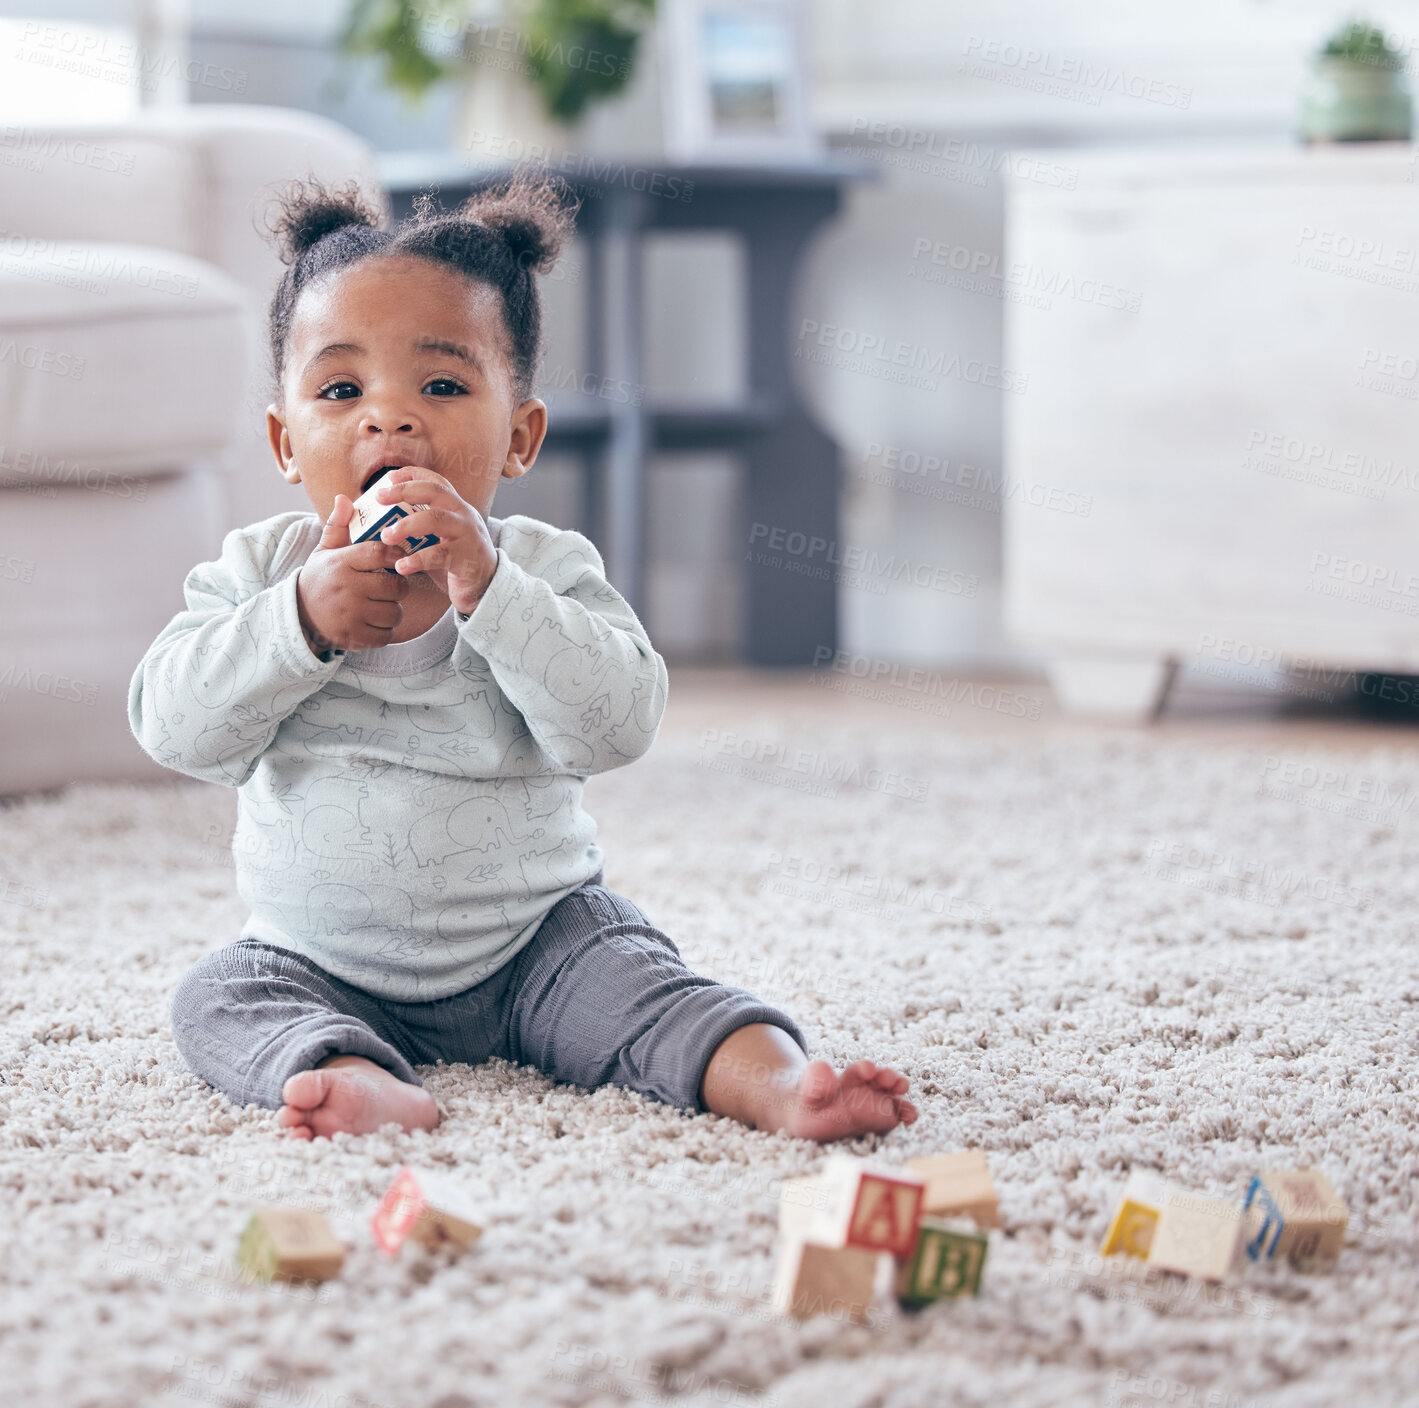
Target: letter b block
x: 945, y: 1263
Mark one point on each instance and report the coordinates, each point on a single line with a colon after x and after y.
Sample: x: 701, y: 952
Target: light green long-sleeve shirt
x: 408, y: 814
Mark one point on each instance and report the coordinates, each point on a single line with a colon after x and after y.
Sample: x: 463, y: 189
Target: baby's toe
x: 817, y: 1083
x: 859, y: 1073
x: 305, y: 1090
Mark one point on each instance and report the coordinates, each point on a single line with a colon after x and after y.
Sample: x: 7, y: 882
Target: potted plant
x: 530, y: 68
x: 1356, y: 91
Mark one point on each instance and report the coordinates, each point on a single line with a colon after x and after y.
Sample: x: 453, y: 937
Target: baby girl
x: 410, y: 734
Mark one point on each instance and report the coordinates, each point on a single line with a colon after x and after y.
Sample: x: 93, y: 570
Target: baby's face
x: 398, y: 361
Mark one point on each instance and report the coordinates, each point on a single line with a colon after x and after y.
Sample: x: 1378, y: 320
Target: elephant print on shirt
x: 331, y: 828
x: 480, y: 824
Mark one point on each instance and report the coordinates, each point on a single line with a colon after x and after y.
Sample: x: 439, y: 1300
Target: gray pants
x: 599, y: 996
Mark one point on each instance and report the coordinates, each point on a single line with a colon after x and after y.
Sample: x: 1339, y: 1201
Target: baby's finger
x: 372, y: 555
x: 386, y: 586
x: 383, y: 615
x: 412, y: 479
x: 432, y: 556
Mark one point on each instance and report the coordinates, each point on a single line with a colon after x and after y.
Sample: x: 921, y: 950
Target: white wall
x: 1112, y: 70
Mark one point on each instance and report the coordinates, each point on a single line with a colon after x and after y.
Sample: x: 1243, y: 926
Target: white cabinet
x: 1221, y: 348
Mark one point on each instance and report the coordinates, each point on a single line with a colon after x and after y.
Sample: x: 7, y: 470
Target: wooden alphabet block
x: 427, y: 1207
x: 946, y: 1262
x: 1195, y: 1236
x: 1131, y: 1231
x: 958, y: 1185
x: 371, y: 518
x: 853, y: 1203
x: 803, y: 1208
x: 870, y: 1207
x: 812, y: 1279
x: 289, y: 1244
x: 1295, y: 1214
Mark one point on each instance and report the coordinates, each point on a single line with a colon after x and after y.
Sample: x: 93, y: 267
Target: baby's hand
x: 345, y: 594
x: 464, y: 559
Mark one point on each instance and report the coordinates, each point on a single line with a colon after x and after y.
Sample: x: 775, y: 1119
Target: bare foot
x: 865, y: 1099
x: 353, y: 1095
x: 758, y: 1075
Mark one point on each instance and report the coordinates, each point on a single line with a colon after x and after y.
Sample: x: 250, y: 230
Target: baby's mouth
x: 377, y: 475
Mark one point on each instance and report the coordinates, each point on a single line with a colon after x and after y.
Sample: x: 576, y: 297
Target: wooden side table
x: 791, y: 465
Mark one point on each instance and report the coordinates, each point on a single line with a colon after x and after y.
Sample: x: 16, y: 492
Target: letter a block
x: 869, y: 1207
x: 946, y: 1263
x: 1296, y: 1214
x: 426, y: 1207
x: 1131, y: 1231
x: 814, y: 1280
x: 289, y: 1243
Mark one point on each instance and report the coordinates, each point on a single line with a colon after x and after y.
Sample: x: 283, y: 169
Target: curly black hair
x: 501, y: 236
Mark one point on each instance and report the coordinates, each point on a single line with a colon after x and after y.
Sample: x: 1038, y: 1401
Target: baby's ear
x: 529, y: 429
x: 280, y: 441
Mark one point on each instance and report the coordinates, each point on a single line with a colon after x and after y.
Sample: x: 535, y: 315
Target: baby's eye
x: 457, y: 389
x: 335, y: 386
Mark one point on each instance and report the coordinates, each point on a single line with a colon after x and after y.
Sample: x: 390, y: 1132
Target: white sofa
x: 134, y: 281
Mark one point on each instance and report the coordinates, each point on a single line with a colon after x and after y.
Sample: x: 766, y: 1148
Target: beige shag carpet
x: 1088, y: 953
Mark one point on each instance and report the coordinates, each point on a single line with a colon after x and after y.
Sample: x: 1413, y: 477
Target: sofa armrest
x: 245, y: 151
x: 197, y: 180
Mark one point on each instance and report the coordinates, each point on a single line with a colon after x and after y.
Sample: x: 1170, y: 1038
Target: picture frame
x: 733, y: 84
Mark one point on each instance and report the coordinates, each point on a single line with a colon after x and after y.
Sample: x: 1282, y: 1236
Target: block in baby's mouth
x: 371, y: 517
